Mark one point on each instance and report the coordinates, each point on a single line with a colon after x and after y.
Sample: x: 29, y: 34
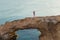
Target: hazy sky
x: 25, y: 7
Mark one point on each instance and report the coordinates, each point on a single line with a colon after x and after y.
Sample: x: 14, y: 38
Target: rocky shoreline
x: 49, y: 27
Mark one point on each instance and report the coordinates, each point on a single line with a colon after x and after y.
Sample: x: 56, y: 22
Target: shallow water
x: 28, y: 34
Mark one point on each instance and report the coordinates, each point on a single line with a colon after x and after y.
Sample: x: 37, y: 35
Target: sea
x: 28, y: 34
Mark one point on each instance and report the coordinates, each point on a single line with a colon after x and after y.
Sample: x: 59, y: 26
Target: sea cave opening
x: 28, y: 34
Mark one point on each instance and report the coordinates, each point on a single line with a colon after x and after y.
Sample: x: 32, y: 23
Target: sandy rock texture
x: 49, y: 27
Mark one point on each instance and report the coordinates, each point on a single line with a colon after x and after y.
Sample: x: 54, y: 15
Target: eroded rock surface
x: 49, y: 27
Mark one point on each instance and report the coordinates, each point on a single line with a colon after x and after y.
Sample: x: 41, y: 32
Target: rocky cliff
x: 49, y: 27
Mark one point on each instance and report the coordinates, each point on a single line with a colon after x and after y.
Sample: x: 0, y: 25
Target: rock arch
x: 48, y: 26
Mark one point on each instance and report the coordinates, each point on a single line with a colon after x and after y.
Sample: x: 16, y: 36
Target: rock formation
x: 49, y: 27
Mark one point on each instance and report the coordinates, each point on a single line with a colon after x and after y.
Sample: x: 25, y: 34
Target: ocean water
x: 28, y: 34
x: 25, y: 8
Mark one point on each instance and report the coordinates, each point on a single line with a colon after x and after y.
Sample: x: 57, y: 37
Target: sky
x: 24, y: 8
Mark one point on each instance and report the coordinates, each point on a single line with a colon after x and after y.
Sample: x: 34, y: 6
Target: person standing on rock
x: 33, y: 13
